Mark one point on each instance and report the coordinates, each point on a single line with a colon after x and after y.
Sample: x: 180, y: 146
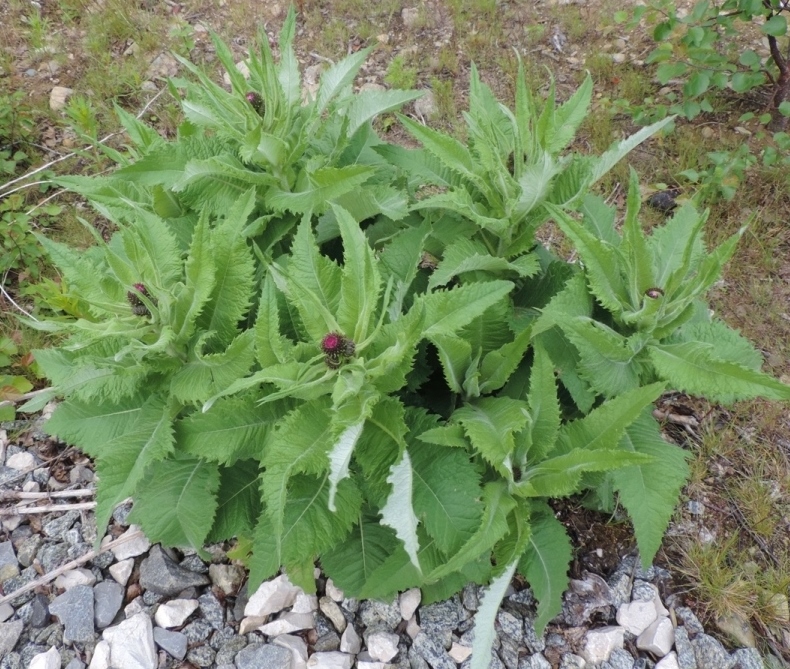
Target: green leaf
x: 569, y: 116
x: 366, y: 105
x: 337, y: 77
x: 455, y: 356
x: 200, y: 281
x: 447, y: 311
x: 234, y: 274
x: 446, y: 493
x: 340, y: 458
x: 466, y: 255
x: 238, y: 501
x: 775, y: 26
x: 271, y: 347
x: 360, y: 283
x: 603, y: 427
x: 398, y: 512
x: 350, y: 564
x: 88, y: 424
x: 667, y: 71
x: 607, y: 362
x: 235, y: 428
x: 545, y: 564
x: 694, y: 368
x: 649, y: 491
x: 486, y: 617
x: 176, y: 501
x: 297, y: 447
x: 493, y: 526
x: 561, y: 476
x: 320, y: 188
x: 314, y: 283
x: 490, y: 423
x: 207, y: 375
x: 544, y: 406
x: 498, y: 365
x: 730, y: 345
x: 634, y: 246
x: 123, y: 462
x: 613, y: 155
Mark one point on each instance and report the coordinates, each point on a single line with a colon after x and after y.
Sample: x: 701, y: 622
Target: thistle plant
x: 393, y: 390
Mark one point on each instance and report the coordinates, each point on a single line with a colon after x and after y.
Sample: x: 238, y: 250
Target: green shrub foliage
x: 339, y: 349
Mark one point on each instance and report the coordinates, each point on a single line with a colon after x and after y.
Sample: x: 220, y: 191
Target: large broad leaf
x: 122, y: 463
x: 493, y: 526
x: 238, y: 501
x: 611, y: 157
x: 366, y: 105
x: 351, y: 562
x: 569, y: 116
x: 603, y: 427
x: 466, y: 255
x: 545, y: 564
x: 297, y: 447
x: 455, y: 356
x: 88, y: 425
x: 649, y: 492
x: 206, y: 375
x: 544, y: 407
x: 498, y: 365
x: 446, y: 493
x: 176, y: 501
x: 694, y: 368
x: 490, y: 423
x: 337, y: 77
x: 321, y: 187
x: 448, y: 311
x: 234, y: 428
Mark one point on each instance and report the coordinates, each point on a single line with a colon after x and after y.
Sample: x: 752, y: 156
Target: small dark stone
x: 685, y: 653
x: 30, y: 650
x: 74, y: 609
x: 27, y: 549
x: 710, y: 654
x: 150, y: 598
x: 432, y: 652
x: 120, y: 514
x: 52, y: 556
x: 664, y: 200
x: 373, y: 612
x: 160, y: 574
x: 212, y: 610
x: 103, y: 560
x: 11, y: 661
x: 194, y: 563
x: 690, y: 621
x: 58, y: 526
x: 108, y: 598
x: 228, y: 650
x: 241, y: 601
x: 39, y: 611
x: 221, y: 636
x: 747, y: 658
x: 328, y: 641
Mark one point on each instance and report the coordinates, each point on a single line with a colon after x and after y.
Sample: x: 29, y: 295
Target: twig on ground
x: 30, y: 510
x: 6, y: 495
x: 11, y: 300
x: 51, y: 576
x: 678, y: 419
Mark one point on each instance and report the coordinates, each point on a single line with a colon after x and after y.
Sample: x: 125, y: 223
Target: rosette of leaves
x: 298, y: 154
x: 493, y: 192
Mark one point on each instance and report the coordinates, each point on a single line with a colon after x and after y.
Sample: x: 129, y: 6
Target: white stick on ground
x: 29, y: 510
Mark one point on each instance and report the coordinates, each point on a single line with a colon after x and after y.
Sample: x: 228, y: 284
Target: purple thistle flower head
x: 332, y: 343
x: 133, y: 297
x: 256, y: 101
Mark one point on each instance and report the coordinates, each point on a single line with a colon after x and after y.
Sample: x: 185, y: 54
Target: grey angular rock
x: 533, y: 642
x: 74, y: 609
x: 433, y: 652
x: 132, y: 643
x: 27, y: 550
x: 710, y: 654
x: 571, y: 661
x: 264, y: 656
x: 11, y: 661
x: 685, y: 652
x: 372, y: 613
x: 441, y: 615
x: 327, y: 642
x: 6, y: 611
x: 107, y: 601
x: 227, y: 577
x: 747, y: 658
x: 536, y: 661
x: 212, y: 610
x: 75, y: 663
x: 585, y: 598
x: 9, y: 635
x: 690, y: 621
x: 229, y: 649
x: 163, y: 576
x: 620, y: 584
x: 39, y: 612
x: 8, y: 563
x: 57, y: 527
x: 198, y: 631
x: 619, y: 659
x: 201, y: 656
x: 509, y: 625
x: 48, y: 660
x: 173, y: 643
x: 52, y: 556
